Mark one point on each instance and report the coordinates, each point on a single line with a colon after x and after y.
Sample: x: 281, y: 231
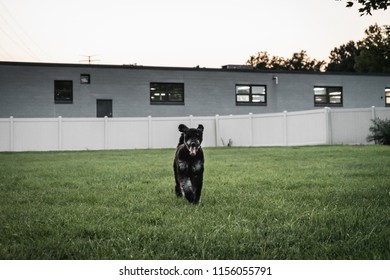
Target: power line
x: 20, y: 44
x: 16, y: 38
x: 7, y: 55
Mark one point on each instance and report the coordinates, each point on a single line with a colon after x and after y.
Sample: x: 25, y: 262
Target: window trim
x: 165, y: 102
x: 327, y: 96
x: 387, y: 95
x: 63, y: 101
x: 250, y: 94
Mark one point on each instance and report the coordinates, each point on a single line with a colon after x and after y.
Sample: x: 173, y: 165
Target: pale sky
x: 208, y: 33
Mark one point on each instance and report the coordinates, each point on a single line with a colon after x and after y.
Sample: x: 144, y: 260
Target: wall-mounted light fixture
x: 276, y: 79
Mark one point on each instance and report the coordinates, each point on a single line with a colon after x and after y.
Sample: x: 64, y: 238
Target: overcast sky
x: 208, y: 33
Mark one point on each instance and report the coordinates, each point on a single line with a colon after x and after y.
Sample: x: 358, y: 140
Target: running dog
x: 188, y: 164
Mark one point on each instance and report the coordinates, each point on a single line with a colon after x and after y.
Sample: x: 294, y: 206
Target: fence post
x: 251, y: 130
x: 285, y: 128
x: 328, y: 126
x: 150, y: 132
x: 59, y: 133
x: 216, y: 130
x: 11, y: 134
x: 373, y: 112
x: 191, y: 117
x: 105, y: 132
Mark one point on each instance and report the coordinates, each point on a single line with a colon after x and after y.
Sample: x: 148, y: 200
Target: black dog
x: 188, y: 165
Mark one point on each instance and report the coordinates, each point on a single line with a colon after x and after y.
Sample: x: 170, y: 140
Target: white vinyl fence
x: 315, y: 127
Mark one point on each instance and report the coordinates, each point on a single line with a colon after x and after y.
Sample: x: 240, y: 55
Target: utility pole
x: 89, y: 60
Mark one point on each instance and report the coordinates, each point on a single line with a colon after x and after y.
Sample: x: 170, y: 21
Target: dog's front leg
x: 185, y: 183
x: 188, y: 190
x: 197, y: 183
x: 197, y: 180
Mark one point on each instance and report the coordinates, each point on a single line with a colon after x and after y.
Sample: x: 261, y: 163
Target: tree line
x: 369, y: 55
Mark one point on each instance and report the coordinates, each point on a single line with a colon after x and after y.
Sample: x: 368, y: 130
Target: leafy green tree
x: 374, y: 50
x: 371, y: 54
x: 342, y: 59
x: 260, y: 61
x: 302, y: 62
x: 369, y: 5
x: 299, y: 61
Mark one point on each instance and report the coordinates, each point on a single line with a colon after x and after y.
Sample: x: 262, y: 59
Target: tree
x: 371, y: 54
x: 260, y: 61
x: 374, y: 50
x: 370, y: 5
x: 298, y: 62
x: 342, y: 59
x: 302, y: 62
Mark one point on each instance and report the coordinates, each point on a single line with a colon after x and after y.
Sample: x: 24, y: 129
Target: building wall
x: 27, y: 90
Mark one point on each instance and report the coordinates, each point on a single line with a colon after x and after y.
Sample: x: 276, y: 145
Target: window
x: 328, y: 96
x: 251, y: 95
x: 387, y: 96
x: 167, y: 93
x: 85, y: 79
x: 63, y: 92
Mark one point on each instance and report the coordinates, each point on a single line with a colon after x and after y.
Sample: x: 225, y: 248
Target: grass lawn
x: 326, y: 202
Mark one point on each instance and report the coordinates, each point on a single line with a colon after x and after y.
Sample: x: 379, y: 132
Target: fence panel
x: 306, y: 128
x: 83, y: 134
x: 382, y: 113
x: 127, y: 133
x: 268, y: 130
x: 5, y: 135
x: 350, y: 126
x: 235, y: 129
x: 35, y: 134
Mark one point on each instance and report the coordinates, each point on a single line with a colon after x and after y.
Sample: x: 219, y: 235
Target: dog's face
x: 193, y: 138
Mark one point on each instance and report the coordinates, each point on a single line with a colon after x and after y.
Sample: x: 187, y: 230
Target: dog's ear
x: 183, y: 128
x: 200, y: 127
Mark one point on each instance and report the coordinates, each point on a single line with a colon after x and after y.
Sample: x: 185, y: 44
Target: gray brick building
x: 41, y: 90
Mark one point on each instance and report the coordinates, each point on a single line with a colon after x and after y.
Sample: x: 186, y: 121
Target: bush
x: 380, y: 132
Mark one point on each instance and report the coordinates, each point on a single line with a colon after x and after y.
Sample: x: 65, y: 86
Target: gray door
x: 104, y: 108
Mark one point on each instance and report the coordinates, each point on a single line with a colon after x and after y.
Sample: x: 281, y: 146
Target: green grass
x: 327, y: 202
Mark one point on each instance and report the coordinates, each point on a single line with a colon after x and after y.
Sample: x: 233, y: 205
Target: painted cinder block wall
x: 27, y: 90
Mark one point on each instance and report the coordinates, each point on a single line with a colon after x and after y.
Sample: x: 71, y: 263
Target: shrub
x: 380, y: 132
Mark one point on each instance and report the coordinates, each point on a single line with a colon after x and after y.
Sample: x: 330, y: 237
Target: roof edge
x: 173, y: 68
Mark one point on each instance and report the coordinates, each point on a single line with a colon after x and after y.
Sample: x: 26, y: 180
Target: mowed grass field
x: 326, y: 202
